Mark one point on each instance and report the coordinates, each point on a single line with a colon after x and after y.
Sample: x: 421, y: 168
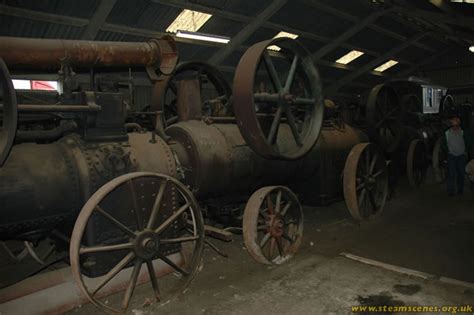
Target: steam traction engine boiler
x: 118, y: 200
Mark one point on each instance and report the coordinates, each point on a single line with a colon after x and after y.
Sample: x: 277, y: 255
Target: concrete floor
x: 420, y: 229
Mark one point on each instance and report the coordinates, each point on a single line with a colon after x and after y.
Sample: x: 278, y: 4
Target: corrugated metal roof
x: 306, y: 18
x: 19, y: 27
x: 319, y: 17
x: 76, y: 8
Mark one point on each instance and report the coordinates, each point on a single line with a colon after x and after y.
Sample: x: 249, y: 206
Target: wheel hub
x: 275, y: 225
x: 146, y: 244
x: 288, y: 98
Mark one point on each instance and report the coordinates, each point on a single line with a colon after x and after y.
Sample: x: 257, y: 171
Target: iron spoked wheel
x: 365, y: 182
x: 215, y: 91
x: 8, y: 113
x: 439, y: 162
x: 384, y: 117
x: 447, y: 107
x: 416, y: 163
x: 144, y: 219
x: 273, y: 225
x: 267, y: 107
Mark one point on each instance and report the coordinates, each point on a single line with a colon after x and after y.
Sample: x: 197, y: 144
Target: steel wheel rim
x: 361, y: 157
x: 278, y: 228
x: 439, y: 162
x: 283, y: 100
x: 90, y: 207
x: 10, y: 113
x: 416, y: 163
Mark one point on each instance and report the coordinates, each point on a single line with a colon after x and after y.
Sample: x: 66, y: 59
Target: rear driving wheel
x: 273, y: 225
x: 365, y: 182
x: 416, y: 163
x: 137, y: 219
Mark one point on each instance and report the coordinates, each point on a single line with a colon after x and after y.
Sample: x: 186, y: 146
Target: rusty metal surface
x: 270, y: 211
x: 47, y: 54
x: 324, y: 165
x: 8, y: 113
x: 365, y: 172
x: 58, y: 178
x: 165, y: 103
x: 244, y: 100
x: 188, y: 99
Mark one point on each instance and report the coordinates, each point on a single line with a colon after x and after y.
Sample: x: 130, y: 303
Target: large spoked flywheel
x: 384, y: 117
x: 137, y: 227
x: 277, y: 99
x: 8, y: 113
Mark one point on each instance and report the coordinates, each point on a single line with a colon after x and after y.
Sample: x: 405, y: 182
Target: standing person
x: 456, y: 143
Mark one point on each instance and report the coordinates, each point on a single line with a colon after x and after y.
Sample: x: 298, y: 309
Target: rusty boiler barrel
x: 44, y: 186
x: 216, y: 159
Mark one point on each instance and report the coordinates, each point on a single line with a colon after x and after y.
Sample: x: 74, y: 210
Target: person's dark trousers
x: 456, y: 165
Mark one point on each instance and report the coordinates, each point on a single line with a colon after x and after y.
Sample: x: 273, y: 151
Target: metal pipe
x: 32, y: 53
x: 56, y: 108
x: 31, y: 135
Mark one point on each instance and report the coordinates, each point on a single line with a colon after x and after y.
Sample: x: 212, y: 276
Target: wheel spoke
x: 153, y: 280
x: 104, y: 248
x: 360, y: 186
x: 294, y: 130
x: 115, y: 221
x: 278, y: 202
x: 378, y: 173
x: 285, y: 209
x: 264, y: 240
x: 271, y: 249
x: 172, y: 264
x: 272, y: 71
x: 291, y: 74
x: 270, y: 204
x: 362, y: 196
x: 272, y: 135
x: 114, y: 271
x: 279, y: 246
x: 386, y: 117
x: 132, y: 284
x: 372, y: 164
x: 135, y: 204
x: 179, y: 240
x: 372, y: 202
x: 171, y: 219
x: 156, y: 205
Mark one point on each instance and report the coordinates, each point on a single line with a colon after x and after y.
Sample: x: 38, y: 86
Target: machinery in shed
x: 71, y: 172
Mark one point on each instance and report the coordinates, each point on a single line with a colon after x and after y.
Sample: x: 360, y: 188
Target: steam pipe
x: 35, y: 53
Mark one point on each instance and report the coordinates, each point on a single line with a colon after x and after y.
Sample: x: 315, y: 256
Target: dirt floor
x: 420, y: 229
